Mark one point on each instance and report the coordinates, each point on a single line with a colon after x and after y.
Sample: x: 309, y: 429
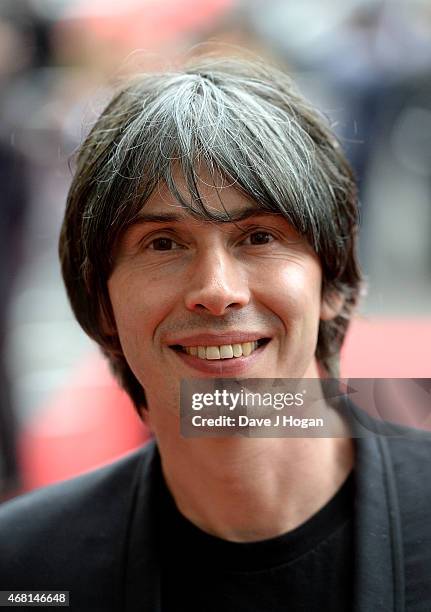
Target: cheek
x: 139, y: 304
x: 296, y: 294
x: 132, y: 316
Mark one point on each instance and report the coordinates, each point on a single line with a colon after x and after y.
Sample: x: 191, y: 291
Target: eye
x: 259, y: 237
x: 163, y: 244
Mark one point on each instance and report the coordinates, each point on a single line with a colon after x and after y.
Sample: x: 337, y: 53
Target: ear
x: 331, y: 305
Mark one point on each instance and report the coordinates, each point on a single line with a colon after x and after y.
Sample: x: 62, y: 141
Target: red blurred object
x: 142, y: 24
x: 387, y: 348
x: 147, y: 21
x: 88, y: 423
x: 91, y: 421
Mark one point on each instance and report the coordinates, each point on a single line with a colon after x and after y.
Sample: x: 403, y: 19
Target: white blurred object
x: 393, y: 36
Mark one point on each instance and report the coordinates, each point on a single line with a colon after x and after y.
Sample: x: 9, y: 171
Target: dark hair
x: 242, y: 120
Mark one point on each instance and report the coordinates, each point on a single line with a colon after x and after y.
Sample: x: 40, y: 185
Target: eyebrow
x: 235, y: 216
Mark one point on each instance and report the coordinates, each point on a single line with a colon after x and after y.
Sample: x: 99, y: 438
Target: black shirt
x: 309, y: 568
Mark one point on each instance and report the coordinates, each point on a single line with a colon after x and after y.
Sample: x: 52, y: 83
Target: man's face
x: 195, y: 299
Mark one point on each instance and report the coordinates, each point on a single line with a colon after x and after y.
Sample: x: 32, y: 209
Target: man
x: 210, y: 233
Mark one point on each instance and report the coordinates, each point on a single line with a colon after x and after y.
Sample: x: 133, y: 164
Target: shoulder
x: 70, y: 497
x: 44, y: 535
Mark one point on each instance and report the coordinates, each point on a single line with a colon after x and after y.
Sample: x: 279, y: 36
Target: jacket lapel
x: 142, y: 565
x: 379, y: 572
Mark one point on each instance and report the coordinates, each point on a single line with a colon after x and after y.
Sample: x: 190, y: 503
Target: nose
x: 219, y: 283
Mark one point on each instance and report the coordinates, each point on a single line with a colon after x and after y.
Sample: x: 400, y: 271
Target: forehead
x: 223, y: 203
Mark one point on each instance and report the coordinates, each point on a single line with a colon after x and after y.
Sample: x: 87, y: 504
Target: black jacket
x: 96, y: 535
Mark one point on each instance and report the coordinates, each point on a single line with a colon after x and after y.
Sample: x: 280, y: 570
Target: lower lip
x: 221, y: 367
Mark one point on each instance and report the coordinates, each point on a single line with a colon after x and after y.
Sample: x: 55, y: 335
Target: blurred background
x: 365, y: 63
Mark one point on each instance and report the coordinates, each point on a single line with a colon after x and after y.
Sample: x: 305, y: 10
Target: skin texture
x: 176, y: 279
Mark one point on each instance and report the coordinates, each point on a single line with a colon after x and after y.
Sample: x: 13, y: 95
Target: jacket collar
x: 143, y: 564
x: 379, y: 572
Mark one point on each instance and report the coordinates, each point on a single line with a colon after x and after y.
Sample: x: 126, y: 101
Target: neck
x: 243, y: 489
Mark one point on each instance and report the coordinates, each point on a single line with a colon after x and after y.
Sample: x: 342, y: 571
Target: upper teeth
x: 225, y: 351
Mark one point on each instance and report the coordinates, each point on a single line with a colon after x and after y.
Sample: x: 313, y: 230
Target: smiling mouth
x: 224, y: 351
